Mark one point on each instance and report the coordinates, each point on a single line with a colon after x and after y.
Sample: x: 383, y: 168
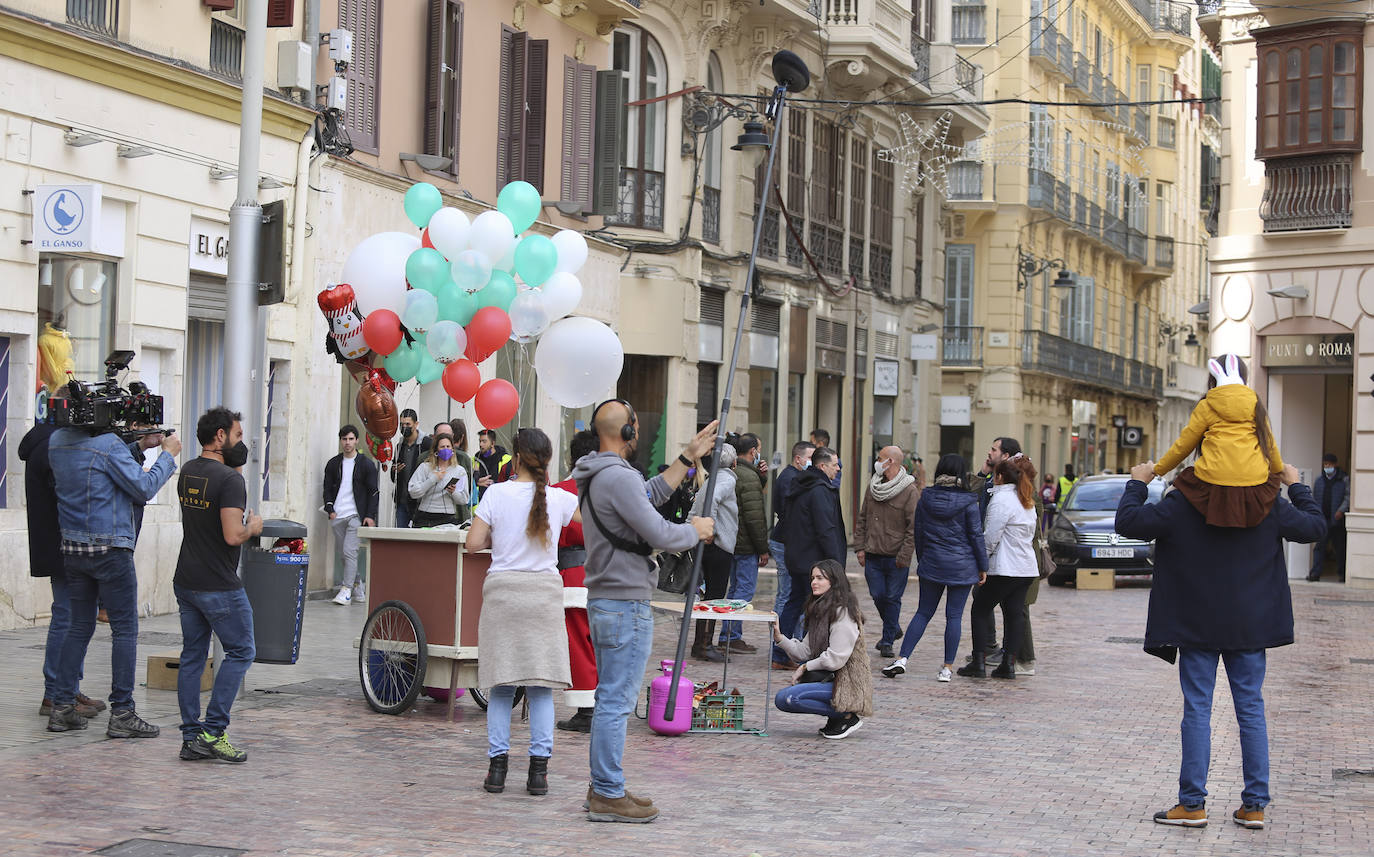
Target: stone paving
x: 1071, y: 761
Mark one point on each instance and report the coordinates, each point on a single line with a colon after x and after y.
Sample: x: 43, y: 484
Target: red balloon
x: 424, y: 239
x: 487, y: 332
x: 461, y: 379
x: 382, y: 331
x: 497, y: 403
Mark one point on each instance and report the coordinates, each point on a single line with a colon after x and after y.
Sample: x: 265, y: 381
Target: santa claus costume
x: 572, y: 557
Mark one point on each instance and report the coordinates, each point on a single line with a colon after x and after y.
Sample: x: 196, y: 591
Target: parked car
x: 1084, y: 533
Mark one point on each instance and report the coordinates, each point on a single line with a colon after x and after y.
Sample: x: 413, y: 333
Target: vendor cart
x: 422, y: 632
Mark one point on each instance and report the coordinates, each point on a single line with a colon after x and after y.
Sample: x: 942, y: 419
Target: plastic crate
x: 719, y: 711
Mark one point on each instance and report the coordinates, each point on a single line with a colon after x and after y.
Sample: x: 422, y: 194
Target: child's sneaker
x: 1184, y: 816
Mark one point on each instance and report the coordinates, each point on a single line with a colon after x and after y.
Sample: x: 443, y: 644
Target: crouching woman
x: 835, y: 677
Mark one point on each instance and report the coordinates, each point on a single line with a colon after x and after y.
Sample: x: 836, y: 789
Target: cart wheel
x: 392, y: 657
x: 479, y: 696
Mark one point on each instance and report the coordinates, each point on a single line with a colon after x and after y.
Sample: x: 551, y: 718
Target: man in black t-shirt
x: 209, y: 593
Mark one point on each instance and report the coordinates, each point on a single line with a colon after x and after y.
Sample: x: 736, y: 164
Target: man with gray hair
x: 884, y: 539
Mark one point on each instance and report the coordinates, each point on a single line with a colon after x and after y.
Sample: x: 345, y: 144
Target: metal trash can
x: 275, y: 586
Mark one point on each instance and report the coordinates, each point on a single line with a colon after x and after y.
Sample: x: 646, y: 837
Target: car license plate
x: 1113, y: 553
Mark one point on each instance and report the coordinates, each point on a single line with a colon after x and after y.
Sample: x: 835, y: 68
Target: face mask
x: 807, y: 466
x: 879, y: 467
x: 236, y: 455
x: 406, y: 431
x: 444, y: 454
x: 1329, y: 471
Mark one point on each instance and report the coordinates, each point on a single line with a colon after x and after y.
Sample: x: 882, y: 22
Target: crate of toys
x: 713, y: 710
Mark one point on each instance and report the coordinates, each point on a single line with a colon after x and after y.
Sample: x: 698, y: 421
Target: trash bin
x: 275, y: 586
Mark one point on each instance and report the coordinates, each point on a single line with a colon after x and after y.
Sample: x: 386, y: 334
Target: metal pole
x: 779, y: 97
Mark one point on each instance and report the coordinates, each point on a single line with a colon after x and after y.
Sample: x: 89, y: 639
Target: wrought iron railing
x: 1065, y: 56
x: 965, y: 180
x: 827, y: 247
x: 1080, y: 212
x: 1164, y: 252
x: 768, y: 242
x: 1167, y: 16
x: 1054, y: 355
x: 226, y: 49
x: 1040, y: 190
x: 1137, y: 246
x: 1062, y: 201
x: 880, y: 268
x: 1141, y: 123
x: 968, y: 24
x: 963, y: 346
x: 920, y: 55
x: 1168, y: 132
x: 1044, y: 41
x: 1114, y: 232
x: 98, y: 16
x: 1095, y: 219
x: 710, y: 214
x: 639, y: 201
x: 1099, y: 90
x: 966, y: 74
x: 1306, y: 193
x: 1208, y: 7
x: 1082, y: 74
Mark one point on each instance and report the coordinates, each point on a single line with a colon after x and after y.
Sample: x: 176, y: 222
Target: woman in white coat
x: 1010, y: 537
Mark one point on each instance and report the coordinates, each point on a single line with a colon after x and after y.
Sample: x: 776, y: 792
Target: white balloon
x: 528, y: 318
x: 572, y: 250
x: 578, y: 360
x: 376, y: 269
x: 492, y: 234
x: 446, y: 341
x: 448, y: 231
x: 561, y: 294
x: 421, y: 311
x: 471, y: 269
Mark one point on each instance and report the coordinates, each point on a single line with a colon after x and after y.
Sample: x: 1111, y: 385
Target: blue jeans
x: 499, y: 703
x: 1197, y: 674
x: 784, y: 582
x: 230, y: 617
x: 886, y: 583
x: 403, y: 515
x: 622, y: 634
x: 925, y: 609
x: 57, y: 632
x: 810, y: 698
x: 744, y: 579
x: 108, y: 578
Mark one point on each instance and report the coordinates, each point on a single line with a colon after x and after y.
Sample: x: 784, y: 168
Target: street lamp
x: 753, y: 143
x: 1029, y: 265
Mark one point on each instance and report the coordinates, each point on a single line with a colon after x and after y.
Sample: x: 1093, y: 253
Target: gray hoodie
x: 625, y: 505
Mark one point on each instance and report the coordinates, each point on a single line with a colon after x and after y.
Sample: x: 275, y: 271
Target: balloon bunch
x: 434, y: 307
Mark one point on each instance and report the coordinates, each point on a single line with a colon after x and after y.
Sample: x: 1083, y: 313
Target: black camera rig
x: 104, y: 406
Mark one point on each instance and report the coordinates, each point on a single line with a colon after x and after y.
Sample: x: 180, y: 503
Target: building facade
x: 1291, y: 289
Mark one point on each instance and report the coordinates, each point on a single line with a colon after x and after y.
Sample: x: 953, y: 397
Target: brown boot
x: 642, y: 801
x: 622, y: 809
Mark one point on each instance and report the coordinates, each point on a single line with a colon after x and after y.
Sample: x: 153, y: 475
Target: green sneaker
x: 207, y: 746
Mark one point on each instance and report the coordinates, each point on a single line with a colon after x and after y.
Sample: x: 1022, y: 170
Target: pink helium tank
x: 658, y: 702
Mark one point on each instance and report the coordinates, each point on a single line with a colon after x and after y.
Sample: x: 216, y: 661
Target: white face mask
x: 1329, y: 471
x: 879, y: 467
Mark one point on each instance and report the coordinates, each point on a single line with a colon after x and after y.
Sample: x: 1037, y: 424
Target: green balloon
x: 536, y: 257
x: 421, y: 201
x: 427, y: 269
x: 498, y: 292
x: 402, y: 363
x: 455, y: 304
x: 520, y: 202
x: 430, y: 369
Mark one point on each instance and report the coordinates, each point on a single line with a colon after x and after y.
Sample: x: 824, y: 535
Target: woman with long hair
x: 521, y: 631
x: 950, y: 559
x: 1012, y: 565
x: 834, y: 677
x: 440, y: 485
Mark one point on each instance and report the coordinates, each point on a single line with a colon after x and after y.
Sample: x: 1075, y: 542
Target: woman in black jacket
x: 950, y: 559
x: 1219, y: 593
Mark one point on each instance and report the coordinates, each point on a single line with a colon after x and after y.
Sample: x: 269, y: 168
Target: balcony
x: 1040, y: 190
x: 1063, y: 201
x: 880, y: 269
x: 1140, y: 125
x: 1136, y: 246
x: 920, y: 55
x: 1167, y: 16
x: 968, y: 24
x: 1114, y: 232
x: 1306, y: 193
x: 1082, y: 75
x: 1164, y: 252
x: 969, y: 77
x: 1044, y: 45
x: 1066, y: 57
x: 869, y: 41
x: 963, y: 346
x: 1080, y: 212
x: 1095, y: 220
x: 965, y: 180
x: 710, y: 215
x: 1099, y: 91
x: 98, y: 16
x: 1054, y: 355
x: 1168, y: 133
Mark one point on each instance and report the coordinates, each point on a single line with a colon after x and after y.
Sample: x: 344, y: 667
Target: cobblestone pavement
x: 1071, y: 761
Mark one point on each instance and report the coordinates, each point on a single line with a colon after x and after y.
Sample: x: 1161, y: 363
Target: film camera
x: 104, y: 406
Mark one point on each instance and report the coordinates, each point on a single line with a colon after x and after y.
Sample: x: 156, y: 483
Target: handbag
x: 674, y: 570
x: 817, y: 677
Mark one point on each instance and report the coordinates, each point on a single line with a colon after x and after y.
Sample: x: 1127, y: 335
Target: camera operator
x: 97, y: 482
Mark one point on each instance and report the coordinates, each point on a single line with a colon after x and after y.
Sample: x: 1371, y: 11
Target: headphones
x: 627, y: 431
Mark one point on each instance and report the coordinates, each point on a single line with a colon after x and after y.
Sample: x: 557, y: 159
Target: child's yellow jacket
x: 1224, y: 421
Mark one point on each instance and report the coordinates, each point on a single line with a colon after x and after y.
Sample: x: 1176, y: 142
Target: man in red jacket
x: 572, y: 559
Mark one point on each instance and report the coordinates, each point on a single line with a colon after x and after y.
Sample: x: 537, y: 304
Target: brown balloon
x: 377, y: 409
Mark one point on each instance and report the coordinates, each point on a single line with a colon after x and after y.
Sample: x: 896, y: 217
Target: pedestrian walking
x: 572, y: 562
x: 404, y: 464
x: 751, y: 542
x: 801, y: 460
x: 884, y: 541
x: 350, y: 500
x: 950, y: 558
x: 1218, y: 594
x: 209, y: 593
x: 1331, y: 491
x: 626, y: 529
x: 521, y: 631
x: 814, y: 531
x: 1009, y: 534
x: 439, y: 486
x: 834, y: 675
x: 718, y: 555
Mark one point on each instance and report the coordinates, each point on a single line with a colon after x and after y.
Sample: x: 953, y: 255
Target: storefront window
x: 78, y: 295
x: 763, y: 409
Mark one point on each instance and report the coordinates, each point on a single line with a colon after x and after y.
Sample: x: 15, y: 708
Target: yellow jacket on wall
x: 1224, y: 423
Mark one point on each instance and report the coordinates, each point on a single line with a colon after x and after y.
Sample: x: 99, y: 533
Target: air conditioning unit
x: 336, y: 95
x: 341, y: 45
x: 293, y: 65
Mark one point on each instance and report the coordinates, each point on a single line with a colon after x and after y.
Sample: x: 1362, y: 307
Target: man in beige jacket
x: 884, y: 539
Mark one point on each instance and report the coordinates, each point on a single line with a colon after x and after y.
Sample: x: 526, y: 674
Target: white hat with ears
x: 1228, y: 375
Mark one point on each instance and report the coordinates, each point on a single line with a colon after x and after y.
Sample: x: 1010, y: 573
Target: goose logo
x: 66, y: 217
x: 64, y: 212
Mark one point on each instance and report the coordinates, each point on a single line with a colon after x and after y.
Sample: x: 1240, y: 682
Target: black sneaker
x: 207, y: 746
x: 842, y: 727
x: 886, y: 652
x: 63, y: 718
x: 831, y: 724
x: 125, y: 723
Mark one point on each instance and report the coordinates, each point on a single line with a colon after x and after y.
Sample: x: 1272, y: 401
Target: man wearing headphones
x: 621, y: 529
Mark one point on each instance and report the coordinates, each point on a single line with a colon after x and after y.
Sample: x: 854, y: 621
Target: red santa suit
x: 581, y: 656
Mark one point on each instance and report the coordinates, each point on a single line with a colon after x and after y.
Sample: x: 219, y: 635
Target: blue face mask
x: 1329, y: 471
x: 444, y: 454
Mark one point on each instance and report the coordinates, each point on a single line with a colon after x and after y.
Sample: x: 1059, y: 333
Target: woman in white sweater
x: 1010, y: 537
x: 440, y: 484
x: 835, y: 677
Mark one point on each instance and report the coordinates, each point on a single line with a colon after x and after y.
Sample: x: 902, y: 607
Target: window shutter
x: 363, y: 17
x: 579, y: 105
x: 435, y: 77
x: 281, y: 13
x: 531, y: 169
x: 612, y: 93
x: 455, y: 79
x: 567, y: 183
x: 219, y: 5
x: 510, y: 114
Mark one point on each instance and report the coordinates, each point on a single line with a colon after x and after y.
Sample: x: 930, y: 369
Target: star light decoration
x: 925, y: 155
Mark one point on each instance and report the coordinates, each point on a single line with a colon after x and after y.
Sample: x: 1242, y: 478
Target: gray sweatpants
x: 346, y: 540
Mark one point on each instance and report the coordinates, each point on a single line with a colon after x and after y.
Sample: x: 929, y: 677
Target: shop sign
x: 65, y: 217
x: 208, y: 247
x: 1331, y: 349
x: 885, y: 377
x: 925, y: 346
x: 956, y: 411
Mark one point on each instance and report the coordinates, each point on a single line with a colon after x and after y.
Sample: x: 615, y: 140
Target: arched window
x: 640, y: 200
x: 710, y: 192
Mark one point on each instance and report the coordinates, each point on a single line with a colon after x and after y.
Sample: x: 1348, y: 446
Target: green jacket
x: 753, y: 522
